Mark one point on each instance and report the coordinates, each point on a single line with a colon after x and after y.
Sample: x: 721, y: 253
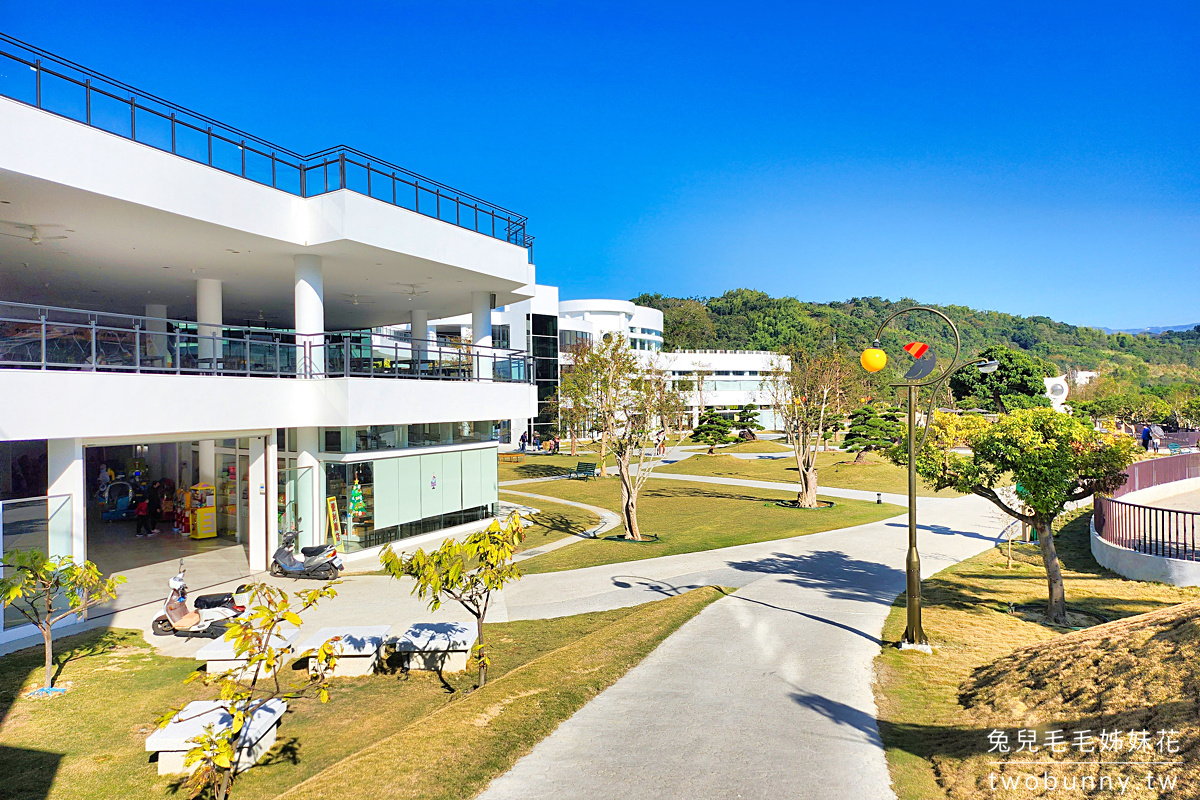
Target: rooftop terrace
x: 41, y: 79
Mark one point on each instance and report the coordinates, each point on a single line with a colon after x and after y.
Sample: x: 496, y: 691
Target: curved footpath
x: 766, y: 693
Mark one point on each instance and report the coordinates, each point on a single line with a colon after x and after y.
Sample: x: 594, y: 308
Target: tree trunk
x: 47, y: 636
x: 860, y: 457
x: 628, y: 501
x: 479, y: 643
x: 603, y: 454
x: 1056, y: 605
x: 573, y: 443
x: 221, y: 790
x: 807, y: 496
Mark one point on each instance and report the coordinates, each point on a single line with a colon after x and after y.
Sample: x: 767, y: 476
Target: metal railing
x: 1155, y: 531
x: 1156, y: 471
x: 41, y: 79
x: 52, y: 338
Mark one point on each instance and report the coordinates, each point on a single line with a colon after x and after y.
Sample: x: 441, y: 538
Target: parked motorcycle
x: 320, y: 561
x: 209, y: 617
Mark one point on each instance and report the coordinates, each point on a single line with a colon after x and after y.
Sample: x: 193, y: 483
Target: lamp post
x: 874, y: 359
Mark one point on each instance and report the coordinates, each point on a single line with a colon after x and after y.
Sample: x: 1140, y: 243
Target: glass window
x: 333, y: 440
x: 544, y: 325
x: 500, y: 336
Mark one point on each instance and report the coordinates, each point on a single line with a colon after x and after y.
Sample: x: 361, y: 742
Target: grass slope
x: 458, y: 750
x: 90, y: 742
x: 689, y: 517
x: 992, y: 669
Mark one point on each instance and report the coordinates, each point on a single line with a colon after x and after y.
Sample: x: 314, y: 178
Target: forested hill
x: 744, y: 319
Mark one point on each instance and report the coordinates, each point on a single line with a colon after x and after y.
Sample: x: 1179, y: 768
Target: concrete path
x: 766, y: 693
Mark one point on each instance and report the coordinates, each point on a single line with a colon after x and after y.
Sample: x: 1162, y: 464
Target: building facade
x: 189, y: 305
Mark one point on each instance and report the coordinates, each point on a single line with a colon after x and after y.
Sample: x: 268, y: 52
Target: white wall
x: 59, y: 404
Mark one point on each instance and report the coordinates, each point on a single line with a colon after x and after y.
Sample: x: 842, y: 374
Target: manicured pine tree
x: 872, y: 428
x: 713, y: 429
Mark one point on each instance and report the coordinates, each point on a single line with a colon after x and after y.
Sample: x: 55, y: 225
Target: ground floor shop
x: 222, y: 504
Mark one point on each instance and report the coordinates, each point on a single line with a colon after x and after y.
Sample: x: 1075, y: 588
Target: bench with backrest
x: 584, y: 470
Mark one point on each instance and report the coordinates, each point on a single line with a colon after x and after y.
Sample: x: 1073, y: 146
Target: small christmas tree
x: 357, y: 507
x: 713, y: 429
x: 872, y: 428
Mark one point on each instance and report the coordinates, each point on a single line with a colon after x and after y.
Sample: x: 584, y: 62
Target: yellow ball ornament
x: 873, y: 359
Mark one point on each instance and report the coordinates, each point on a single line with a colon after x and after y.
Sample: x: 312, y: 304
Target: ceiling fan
x: 356, y: 301
x: 414, y: 289
x: 34, y: 237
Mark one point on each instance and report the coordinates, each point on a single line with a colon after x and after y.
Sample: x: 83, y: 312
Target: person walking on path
x: 537, y: 441
x: 524, y: 440
x: 1146, y: 438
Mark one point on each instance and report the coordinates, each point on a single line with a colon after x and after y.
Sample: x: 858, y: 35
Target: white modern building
x: 548, y: 329
x: 188, y: 304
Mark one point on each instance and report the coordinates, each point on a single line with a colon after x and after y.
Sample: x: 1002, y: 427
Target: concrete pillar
x: 210, y: 317
x: 272, y: 509
x: 310, y: 313
x: 312, y: 525
x: 256, y: 506
x: 481, y: 332
x: 207, y: 457
x: 420, y: 333
x: 155, y: 349
x: 65, y: 475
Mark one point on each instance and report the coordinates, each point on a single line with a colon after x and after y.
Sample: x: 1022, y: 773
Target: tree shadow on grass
x: 717, y: 494
x: 540, y: 471
x: 559, y: 523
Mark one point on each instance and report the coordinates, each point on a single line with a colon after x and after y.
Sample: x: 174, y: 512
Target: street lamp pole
x: 874, y: 360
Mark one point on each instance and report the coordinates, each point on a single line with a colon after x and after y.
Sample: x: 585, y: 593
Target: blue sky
x: 1035, y: 158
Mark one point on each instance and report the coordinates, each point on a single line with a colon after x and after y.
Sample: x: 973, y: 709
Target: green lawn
x: 90, y: 742
x: 928, y: 731
x: 553, y: 521
x: 758, y: 446
x: 689, y: 517
x: 544, y: 466
x: 834, y: 469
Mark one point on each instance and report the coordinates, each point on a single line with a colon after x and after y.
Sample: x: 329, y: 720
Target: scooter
x: 320, y: 561
x: 209, y: 619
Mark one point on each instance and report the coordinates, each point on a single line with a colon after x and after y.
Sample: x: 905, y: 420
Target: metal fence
x: 46, y: 81
x: 1156, y: 471
x: 51, y: 338
x: 1154, y: 531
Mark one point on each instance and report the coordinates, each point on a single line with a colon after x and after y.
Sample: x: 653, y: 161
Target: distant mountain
x: 743, y: 319
x: 1153, y: 331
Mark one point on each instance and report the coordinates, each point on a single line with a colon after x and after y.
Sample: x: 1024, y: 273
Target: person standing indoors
x: 154, y: 505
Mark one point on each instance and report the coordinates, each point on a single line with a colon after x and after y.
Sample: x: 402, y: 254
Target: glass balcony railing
x: 49, y: 338
x: 40, y: 79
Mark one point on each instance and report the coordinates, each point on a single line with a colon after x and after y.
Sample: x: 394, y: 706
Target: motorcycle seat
x: 213, y: 601
x: 315, y: 550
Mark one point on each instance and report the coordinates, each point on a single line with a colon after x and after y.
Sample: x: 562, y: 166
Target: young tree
x: 34, y: 584
x: 747, y: 421
x: 873, y: 429
x: 713, y: 429
x: 628, y: 398
x: 243, y: 691
x: 1054, y: 459
x: 802, y: 386
x: 467, y: 571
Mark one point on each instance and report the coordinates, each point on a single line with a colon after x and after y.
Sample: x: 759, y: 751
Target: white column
x: 65, y: 476
x: 272, y: 509
x: 210, y: 317
x: 206, y: 454
x: 256, y: 507
x: 310, y: 312
x: 420, y: 333
x: 481, y: 331
x: 313, y: 518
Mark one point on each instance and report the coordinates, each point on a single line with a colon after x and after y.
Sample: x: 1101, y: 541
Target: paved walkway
x: 764, y: 694
x: 608, y: 521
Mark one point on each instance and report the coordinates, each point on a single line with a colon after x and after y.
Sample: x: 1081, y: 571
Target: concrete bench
x: 438, y: 646
x: 359, y: 651
x: 172, y: 742
x: 219, y: 654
